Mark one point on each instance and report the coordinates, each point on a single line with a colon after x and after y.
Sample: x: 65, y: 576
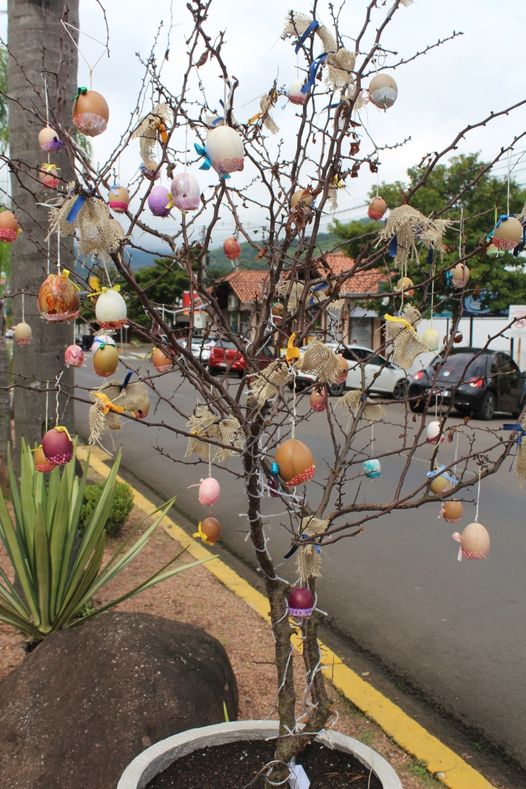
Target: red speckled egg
x: 22, y: 333
x: 377, y: 208
x: 318, y: 400
x: 295, y: 462
x: 90, y: 112
x: 42, y: 464
x: 58, y: 446
x: 8, y: 226
x: 231, y: 248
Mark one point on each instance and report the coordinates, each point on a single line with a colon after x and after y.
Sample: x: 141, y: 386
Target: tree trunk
x: 38, y: 43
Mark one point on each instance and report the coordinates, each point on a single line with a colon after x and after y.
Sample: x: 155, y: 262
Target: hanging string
x: 209, y: 460
x: 432, y: 291
x: 106, y: 49
x: 377, y: 182
x: 58, y: 250
x: 461, y: 234
x: 186, y: 147
x: 23, y: 311
x: 372, y: 440
x: 478, y: 498
x: 456, y: 455
x: 508, y: 185
x: 46, y: 416
x: 57, y: 397
x: 293, y: 416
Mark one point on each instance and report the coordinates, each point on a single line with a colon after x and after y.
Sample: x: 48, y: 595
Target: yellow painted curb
x: 410, y: 735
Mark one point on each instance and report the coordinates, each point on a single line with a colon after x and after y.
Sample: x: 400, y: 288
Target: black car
x: 476, y: 381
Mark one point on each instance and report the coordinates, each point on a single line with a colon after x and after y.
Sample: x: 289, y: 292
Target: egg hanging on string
x: 57, y: 445
x: 74, y: 356
x: 343, y: 369
x: 209, y: 491
x: 208, y: 530
x: 22, y: 333
x: 459, y: 276
x: 49, y: 140
x: 186, y: 192
x: 224, y: 147
x: 48, y: 175
x: 105, y: 360
x: 119, y: 199
x: 475, y: 542
x: 451, y: 511
x: 295, y: 462
x: 160, y: 201
x: 431, y: 339
x: 300, y: 602
x: 8, y: 226
x: 405, y: 286
x: 295, y: 93
x: 231, y: 248
x: 58, y: 298
x: 433, y: 430
x: 372, y: 468
x: 42, y: 464
x: 318, y: 400
x: 383, y: 91
x: 508, y: 234
x: 90, y: 112
x: 377, y: 208
x: 102, y: 339
x: 161, y: 361
x: 110, y: 309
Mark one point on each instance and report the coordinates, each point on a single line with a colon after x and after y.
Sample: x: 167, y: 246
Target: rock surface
x: 86, y: 701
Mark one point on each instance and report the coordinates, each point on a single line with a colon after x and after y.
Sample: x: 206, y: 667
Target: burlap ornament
x: 58, y: 217
x: 100, y: 234
x: 204, y: 424
x: 409, y: 226
x: 266, y: 385
x: 296, y: 25
x: 309, y: 556
x: 111, y: 401
x: 321, y: 361
x: 340, y: 66
x: 353, y: 401
x: 265, y: 105
x: 407, y: 345
x: 149, y: 130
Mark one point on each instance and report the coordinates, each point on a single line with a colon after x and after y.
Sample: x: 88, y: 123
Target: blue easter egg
x: 372, y: 468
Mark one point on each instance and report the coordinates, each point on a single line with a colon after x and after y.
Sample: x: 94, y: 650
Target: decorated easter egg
x: 452, y: 511
x: 22, y: 333
x: 277, y: 312
x: 295, y: 94
x: 74, y: 356
x: 295, y: 462
x: 507, y: 234
x: 439, y: 484
x: 186, y: 192
x: 160, y: 201
x: 303, y: 197
x: 102, y: 339
x: 90, y: 112
x: 343, y: 369
x: 210, y: 529
x: 48, y: 175
x: 57, y: 445
x: 383, y: 91
x: 433, y: 431
x: 431, y: 339
x: 58, y: 298
x: 474, y: 541
x: 372, y: 468
x: 224, y: 147
x: 459, y: 275
x: 405, y: 286
x: 8, y: 226
x: 110, y: 309
x: 209, y: 491
x: 119, y: 199
x: 231, y: 248
x: 493, y: 252
x: 377, y: 208
x: 49, y: 140
x: 318, y: 400
x: 300, y: 602
x: 161, y: 361
x: 42, y: 464
x: 105, y: 360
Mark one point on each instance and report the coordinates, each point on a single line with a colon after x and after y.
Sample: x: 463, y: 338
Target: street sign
x: 517, y: 312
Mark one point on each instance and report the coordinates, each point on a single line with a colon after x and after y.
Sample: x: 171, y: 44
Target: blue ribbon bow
x: 313, y: 70
x: 294, y: 548
x: 516, y: 429
x: 439, y: 472
x: 207, y: 164
x: 502, y: 218
x: 314, y: 25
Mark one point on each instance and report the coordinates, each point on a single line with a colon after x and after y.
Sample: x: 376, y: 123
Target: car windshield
x: 457, y: 363
x: 227, y: 344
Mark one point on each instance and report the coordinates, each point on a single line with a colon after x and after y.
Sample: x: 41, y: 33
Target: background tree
x: 38, y: 47
x: 161, y: 283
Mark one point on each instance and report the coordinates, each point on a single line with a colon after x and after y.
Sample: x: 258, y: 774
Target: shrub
x: 121, y: 506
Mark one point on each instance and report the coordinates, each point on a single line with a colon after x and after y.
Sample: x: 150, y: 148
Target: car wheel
x: 487, y: 407
x: 463, y: 410
x: 213, y: 370
x: 417, y: 405
x: 400, y: 390
x: 336, y: 390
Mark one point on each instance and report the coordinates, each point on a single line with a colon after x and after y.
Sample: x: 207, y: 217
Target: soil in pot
x: 235, y: 765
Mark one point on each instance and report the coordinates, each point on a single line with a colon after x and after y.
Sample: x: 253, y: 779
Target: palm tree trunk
x: 38, y: 44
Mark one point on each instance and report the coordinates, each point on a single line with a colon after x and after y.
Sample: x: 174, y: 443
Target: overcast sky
x: 439, y: 93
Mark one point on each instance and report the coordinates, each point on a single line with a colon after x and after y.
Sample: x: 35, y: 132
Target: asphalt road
x: 454, y: 630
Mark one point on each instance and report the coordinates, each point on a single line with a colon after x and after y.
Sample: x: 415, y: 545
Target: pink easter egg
x: 74, y: 356
x: 209, y: 491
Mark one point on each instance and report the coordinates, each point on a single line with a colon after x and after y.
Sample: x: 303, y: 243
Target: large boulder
x: 86, y: 701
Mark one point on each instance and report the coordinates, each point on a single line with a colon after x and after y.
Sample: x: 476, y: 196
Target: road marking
x: 410, y: 735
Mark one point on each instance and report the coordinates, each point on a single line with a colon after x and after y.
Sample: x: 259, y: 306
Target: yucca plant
x: 58, y: 567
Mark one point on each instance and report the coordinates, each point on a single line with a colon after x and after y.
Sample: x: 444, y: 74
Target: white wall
x: 482, y: 328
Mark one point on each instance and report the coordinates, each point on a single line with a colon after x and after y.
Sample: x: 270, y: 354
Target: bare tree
x: 292, y: 192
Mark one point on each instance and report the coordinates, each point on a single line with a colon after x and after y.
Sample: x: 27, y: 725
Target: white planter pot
x: 161, y: 755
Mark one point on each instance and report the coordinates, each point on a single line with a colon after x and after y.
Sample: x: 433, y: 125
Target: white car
x: 367, y: 370
x: 201, y: 347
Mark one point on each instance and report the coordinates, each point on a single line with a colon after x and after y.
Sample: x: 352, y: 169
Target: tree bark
x: 38, y: 44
